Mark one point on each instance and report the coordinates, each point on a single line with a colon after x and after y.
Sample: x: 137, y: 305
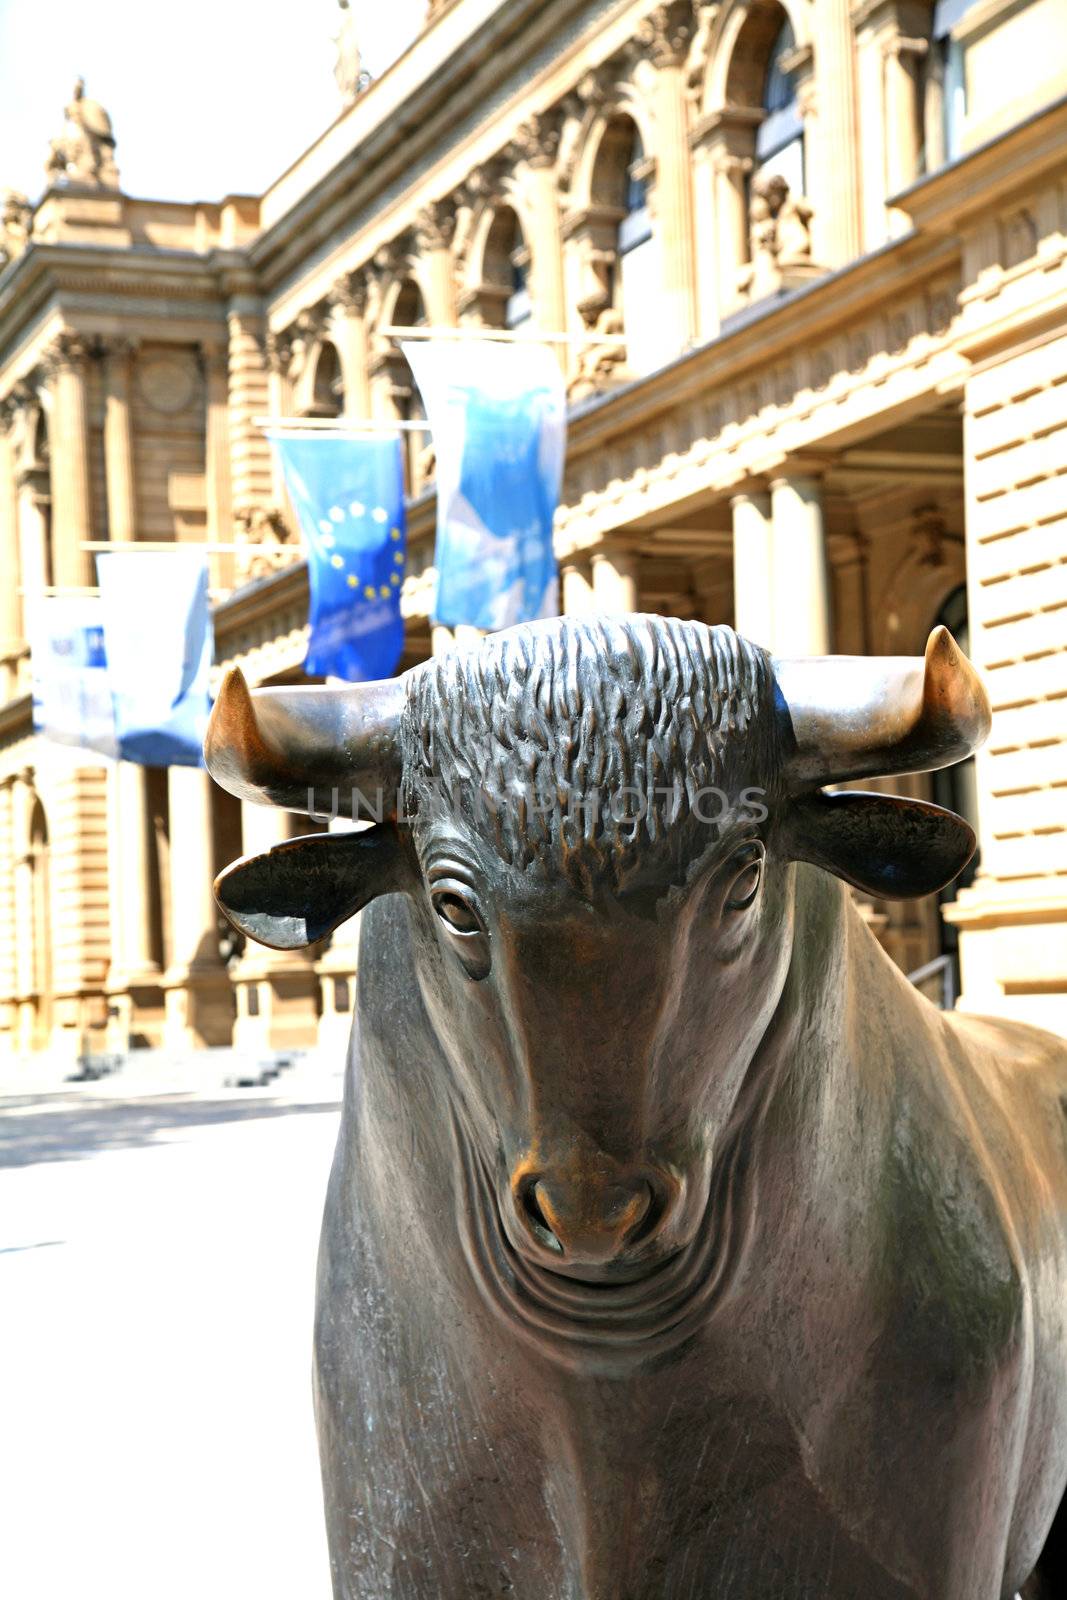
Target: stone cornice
x: 994, y: 172
x: 386, y: 155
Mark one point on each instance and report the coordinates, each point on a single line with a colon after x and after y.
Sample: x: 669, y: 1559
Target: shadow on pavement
x: 84, y: 1128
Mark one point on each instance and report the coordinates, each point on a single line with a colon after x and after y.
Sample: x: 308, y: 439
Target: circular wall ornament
x: 167, y: 383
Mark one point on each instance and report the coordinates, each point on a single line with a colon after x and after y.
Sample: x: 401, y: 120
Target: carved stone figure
x: 16, y: 218
x: 348, y: 68
x: 779, y: 239
x: 600, y: 365
x: 263, y: 526
x: 85, y: 151
x: 675, y: 1246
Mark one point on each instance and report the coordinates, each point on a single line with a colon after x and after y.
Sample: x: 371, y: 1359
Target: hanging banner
x: 71, y: 690
x: 158, y: 639
x: 498, y: 414
x: 348, y: 493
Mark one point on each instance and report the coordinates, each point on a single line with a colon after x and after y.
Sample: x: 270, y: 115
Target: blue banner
x: 158, y: 638
x: 71, y: 691
x: 348, y: 493
x: 498, y: 414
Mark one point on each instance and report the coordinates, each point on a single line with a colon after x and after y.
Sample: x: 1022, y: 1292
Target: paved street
x: 157, y: 1261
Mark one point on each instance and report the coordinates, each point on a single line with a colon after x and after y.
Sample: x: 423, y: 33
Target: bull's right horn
x: 275, y: 745
x: 872, y: 716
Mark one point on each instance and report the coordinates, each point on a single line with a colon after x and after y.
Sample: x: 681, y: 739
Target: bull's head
x: 595, y: 825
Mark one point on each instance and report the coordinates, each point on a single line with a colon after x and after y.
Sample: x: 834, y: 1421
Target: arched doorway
x: 41, y: 929
x: 956, y: 788
x: 629, y: 279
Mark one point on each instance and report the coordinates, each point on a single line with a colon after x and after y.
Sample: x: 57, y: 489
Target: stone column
x: 275, y: 989
x: 199, y: 1000
x: 217, y: 468
x: 26, y: 920
x: 72, y: 521
x: 133, y: 980
x: 934, y: 111
x: 538, y: 146
x: 731, y: 172
x: 441, y: 640
x: 118, y: 442
x: 433, y: 239
x: 615, y: 580
x: 801, y: 590
x: 837, y: 197
x: 9, y: 941
x: 903, y: 76
x: 10, y: 565
x: 753, y: 566
x: 666, y: 33
x: 349, y: 302
x: 577, y: 587
x: 279, y: 351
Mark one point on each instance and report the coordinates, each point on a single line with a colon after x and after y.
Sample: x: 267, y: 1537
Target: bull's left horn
x: 872, y: 716
x: 274, y: 745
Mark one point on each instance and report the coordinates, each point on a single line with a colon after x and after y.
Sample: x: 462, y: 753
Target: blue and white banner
x: 348, y: 492
x: 498, y: 414
x: 158, y: 640
x: 71, y: 691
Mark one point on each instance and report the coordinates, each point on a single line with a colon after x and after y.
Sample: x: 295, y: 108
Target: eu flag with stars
x: 348, y: 493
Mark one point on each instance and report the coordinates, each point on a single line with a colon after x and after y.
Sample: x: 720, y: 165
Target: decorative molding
x: 68, y: 352
x: 537, y: 140
x: 666, y: 33
x: 351, y: 292
x: 435, y: 225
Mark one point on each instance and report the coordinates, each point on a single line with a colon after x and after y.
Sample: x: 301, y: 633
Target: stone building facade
x: 823, y: 245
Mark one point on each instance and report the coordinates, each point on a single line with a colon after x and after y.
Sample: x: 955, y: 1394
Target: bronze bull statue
x: 675, y: 1247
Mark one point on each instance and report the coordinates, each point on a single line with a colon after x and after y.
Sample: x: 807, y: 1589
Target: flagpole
x: 340, y: 424
x: 213, y: 549
x: 501, y: 335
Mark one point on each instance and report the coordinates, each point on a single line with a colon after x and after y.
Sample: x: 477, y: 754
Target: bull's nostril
x: 542, y: 1228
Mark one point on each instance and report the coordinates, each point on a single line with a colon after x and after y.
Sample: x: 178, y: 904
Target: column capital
x: 900, y: 49
x: 665, y: 34
x: 214, y: 357
x: 797, y: 468
x: 68, y: 352
x: 278, y: 349
x: 537, y: 140
x: 435, y: 225
x: 350, y: 293
x: 751, y: 491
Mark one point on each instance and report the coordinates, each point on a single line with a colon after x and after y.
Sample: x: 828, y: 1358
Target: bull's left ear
x: 887, y: 846
x: 300, y: 891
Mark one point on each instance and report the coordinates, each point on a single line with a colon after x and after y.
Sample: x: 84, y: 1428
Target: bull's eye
x: 748, y: 866
x: 455, y: 912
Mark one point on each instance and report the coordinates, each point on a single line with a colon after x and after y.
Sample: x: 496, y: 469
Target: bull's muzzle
x: 582, y: 1214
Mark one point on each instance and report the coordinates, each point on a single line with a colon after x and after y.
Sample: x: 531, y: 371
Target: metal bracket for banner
x: 353, y: 425
x: 213, y: 549
x: 501, y: 335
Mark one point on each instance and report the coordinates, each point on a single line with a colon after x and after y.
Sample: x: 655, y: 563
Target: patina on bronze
x: 675, y: 1247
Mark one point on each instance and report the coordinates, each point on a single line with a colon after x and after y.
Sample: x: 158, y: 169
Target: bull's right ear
x: 300, y: 891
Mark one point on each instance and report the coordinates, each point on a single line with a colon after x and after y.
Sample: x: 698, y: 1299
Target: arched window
x: 328, y: 397
x: 780, y: 136
x: 409, y: 311
x: 626, y: 270
x: 505, y: 292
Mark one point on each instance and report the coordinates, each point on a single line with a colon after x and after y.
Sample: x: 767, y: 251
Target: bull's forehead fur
x: 542, y: 739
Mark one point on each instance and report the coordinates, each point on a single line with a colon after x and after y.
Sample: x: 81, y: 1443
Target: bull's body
x: 675, y: 1248
x: 873, y: 1402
